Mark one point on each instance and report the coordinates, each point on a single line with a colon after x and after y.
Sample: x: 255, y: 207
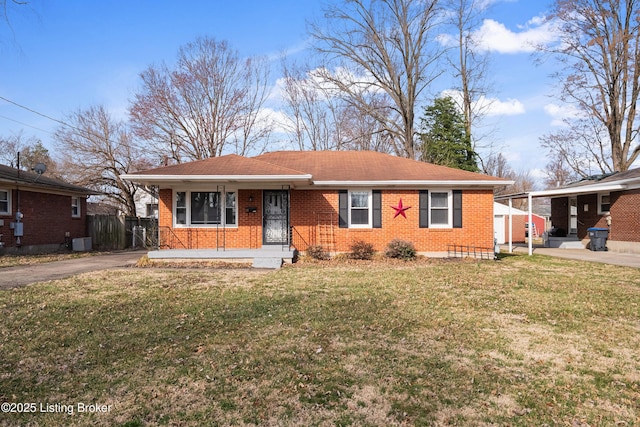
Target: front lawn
x: 519, y: 342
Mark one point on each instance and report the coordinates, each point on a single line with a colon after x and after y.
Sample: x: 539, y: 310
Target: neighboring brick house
x: 52, y: 212
x: 328, y: 198
x: 609, y: 201
x: 606, y: 201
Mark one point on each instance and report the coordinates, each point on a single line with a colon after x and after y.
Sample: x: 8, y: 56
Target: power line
x: 81, y: 132
x: 25, y: 124
x: 31, y: 110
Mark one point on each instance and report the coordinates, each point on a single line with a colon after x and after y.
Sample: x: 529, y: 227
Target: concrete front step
x: 274, y: 263
x: 564, y: 243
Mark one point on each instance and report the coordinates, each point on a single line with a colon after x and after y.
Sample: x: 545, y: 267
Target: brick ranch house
x: 610, y: 201
x: 52, y: 212
x: 331, y: 198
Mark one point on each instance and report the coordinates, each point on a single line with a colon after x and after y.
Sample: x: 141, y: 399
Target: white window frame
x: 600, y: 211
x: 8, y: 201
x: 369, y: 223
x: 76, y: 211
x: 223, y: 208
x: 449, y: 209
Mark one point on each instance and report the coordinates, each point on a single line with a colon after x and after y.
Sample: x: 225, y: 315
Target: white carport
x: 559, y: 192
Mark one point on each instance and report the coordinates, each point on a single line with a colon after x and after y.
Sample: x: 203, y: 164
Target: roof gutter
x: 48, y: 188
x: 565, y: 191
x: 412, y: 183
x: 210, y: 178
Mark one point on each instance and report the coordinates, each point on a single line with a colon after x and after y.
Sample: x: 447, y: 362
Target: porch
x: 571, y: 242
x: 265, y: 257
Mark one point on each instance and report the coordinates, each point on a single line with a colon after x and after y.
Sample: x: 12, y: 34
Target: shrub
x: 361, y: 250
x: 317, y: 252
x: 400, y: 249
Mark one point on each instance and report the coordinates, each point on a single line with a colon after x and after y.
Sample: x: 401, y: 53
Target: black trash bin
x: 598, y: 238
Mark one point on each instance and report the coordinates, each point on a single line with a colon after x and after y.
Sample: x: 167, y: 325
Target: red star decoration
x: 400, y: 209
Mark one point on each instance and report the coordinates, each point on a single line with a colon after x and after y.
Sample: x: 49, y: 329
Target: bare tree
x: 96, y: 150
x: 208, y: 104
x: 381, y: 46
x: 11, y: 145
x: 599, y: 56
x: 582, y: 146
x: 469, y: 63
x: 523, y: 182
x: 313, y: 113
x: 363, y: 132
x: 320, y: 118
x: 31, y: 151
x: 5, y: 7
x: 497, y: 165
x: 557, y: 173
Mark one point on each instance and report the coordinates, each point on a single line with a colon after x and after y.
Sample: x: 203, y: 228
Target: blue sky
x: 64, y: 55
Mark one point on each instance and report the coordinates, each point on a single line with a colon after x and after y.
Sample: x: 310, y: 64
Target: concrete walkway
x: 605, y: 257
x: 12, y: 277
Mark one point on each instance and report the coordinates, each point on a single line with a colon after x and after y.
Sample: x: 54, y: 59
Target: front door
x: 275, y: 224
x: 573, y: 216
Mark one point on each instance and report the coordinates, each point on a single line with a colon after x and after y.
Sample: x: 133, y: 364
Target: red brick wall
x: 477, y: 221
x: 47, y: 217
x: 307, y: 205
x: 625, y: 216
x: 588, y: 215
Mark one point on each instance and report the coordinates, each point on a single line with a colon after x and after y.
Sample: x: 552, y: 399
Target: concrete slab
x: 272, y: 263
x: 606, y: 257
x: 229, y: 254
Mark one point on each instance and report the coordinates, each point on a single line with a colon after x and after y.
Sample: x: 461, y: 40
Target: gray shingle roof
x: 12, y: 176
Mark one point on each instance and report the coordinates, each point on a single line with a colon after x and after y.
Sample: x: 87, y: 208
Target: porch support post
x: 529, y: 199
x: 510, y: 226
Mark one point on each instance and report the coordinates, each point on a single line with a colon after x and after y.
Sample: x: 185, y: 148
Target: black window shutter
x: 457, y: 208
x: 343, y: 209
x: 377, y: 209
x: 424, y: 209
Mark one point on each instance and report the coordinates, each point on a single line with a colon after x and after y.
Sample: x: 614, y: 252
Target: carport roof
x: 593, y: 184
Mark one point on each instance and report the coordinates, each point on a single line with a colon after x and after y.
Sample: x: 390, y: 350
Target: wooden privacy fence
x: 117, y: 232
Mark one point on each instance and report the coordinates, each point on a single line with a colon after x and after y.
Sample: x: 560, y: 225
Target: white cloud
x: 278, y: 119
x: 496, y: 37
x: 490, y: 106
x: 559, y: 113
x: 538, y: 174
x: 509, y: 107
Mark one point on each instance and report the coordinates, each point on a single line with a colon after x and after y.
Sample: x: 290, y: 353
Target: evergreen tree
x: 443, y: 137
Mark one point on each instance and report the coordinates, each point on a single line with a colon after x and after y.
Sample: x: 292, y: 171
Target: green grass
x: 522, y: 341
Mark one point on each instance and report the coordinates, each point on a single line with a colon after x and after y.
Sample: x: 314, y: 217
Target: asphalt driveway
x: 12, y: 277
